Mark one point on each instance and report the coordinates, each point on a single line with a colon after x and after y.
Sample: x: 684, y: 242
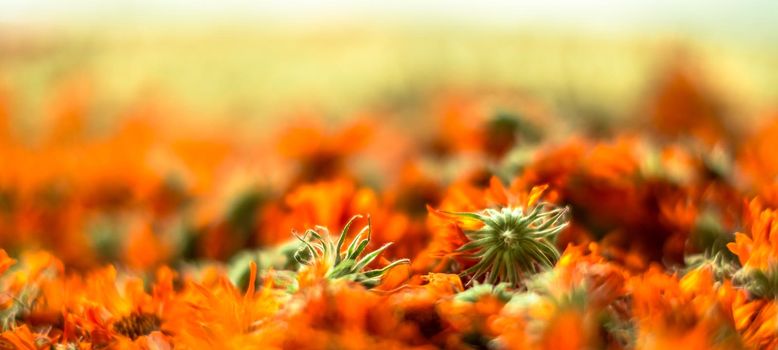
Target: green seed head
x: 513, y: 243
x: 344, y: 261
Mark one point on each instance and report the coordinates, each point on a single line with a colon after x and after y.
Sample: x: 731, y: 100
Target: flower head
x: 513, y: 242
x: 322, y: 253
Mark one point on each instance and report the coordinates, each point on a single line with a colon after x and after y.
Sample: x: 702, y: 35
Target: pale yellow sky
x: 740, y: 20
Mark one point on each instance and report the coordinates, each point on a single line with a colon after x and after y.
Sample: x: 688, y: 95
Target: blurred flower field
x: 456, y: 212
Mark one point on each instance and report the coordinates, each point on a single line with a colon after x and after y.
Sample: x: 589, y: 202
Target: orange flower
x: 220, y: 316
x: 326, y: 203
x: 681, y: 106
x: 110, y: 309
x: 564, y: 331
x: 345, y: 315
x: 688, y: 312
x: 23, y: 338
x: 322, y: 154
x: 756, y: 321
x: 757, y: 155
x: 471, y: 319
x: 584, y: 266
x: 759, y: 249
x: 459, y: 119
x: 145, y: 249
x: 5, y: 261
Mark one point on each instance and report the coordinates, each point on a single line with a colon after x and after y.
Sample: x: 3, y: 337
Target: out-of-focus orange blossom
x: 151, y: 236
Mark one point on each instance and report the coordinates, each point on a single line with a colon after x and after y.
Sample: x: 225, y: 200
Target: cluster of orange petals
x: 127, y: 238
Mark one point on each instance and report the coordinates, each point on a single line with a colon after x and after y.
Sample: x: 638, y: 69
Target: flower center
x: 137, y: 324
x: 508, y: 237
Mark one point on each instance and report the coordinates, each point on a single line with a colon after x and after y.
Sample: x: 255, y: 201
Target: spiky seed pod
x: 513, y: 243
x: 319, y: 249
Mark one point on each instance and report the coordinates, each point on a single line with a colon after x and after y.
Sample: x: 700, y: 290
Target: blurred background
x: 200, y: 135
x: 255, y: 62
x: 151, y: 132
